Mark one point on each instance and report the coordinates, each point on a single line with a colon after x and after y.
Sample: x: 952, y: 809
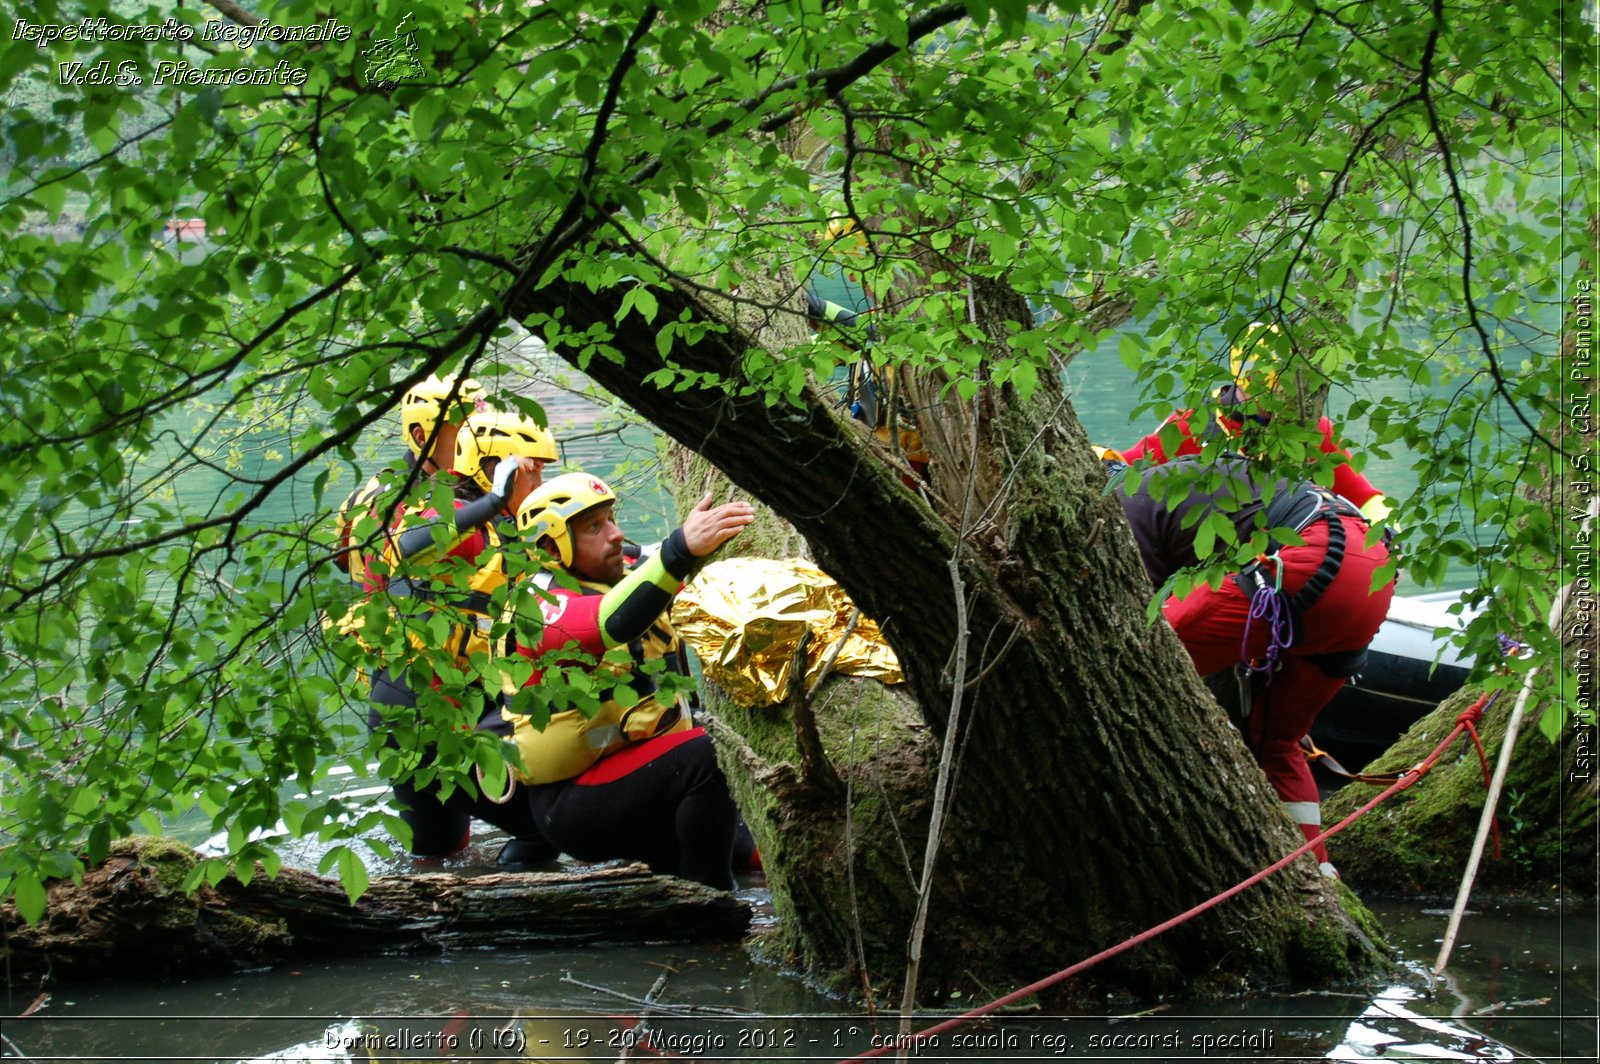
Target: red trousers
x: 1212, y: 621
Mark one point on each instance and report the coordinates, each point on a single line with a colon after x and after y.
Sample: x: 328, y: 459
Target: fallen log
x: 131, y: 917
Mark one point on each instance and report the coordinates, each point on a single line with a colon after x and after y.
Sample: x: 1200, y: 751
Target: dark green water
x: 1522, y: 986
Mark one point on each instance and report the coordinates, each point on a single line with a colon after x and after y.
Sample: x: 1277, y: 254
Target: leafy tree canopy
x: 1401, y: 186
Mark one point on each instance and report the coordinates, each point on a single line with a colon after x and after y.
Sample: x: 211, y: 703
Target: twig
x: 919, y: 924
x: 834, y: 652
x: 641, y: 1030
x: 1459, y: 198
x: 817, y: 774
x: 993, y: 662
x: 850, y: 865
x: 684, y: 1010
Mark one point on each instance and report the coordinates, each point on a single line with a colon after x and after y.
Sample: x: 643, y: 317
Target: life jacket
x: 468, y: 607
x: 357, y: 563
x: 572, y: 741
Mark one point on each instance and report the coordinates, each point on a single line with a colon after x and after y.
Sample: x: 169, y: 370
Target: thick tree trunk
x: 1100, y: 790
x: 130, y: 915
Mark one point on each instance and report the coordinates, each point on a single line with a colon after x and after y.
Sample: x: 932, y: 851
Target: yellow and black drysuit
x: 352, y: 554
x: 634, y: 778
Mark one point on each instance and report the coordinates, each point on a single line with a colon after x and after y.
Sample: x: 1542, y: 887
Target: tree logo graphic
x: 394, y: 59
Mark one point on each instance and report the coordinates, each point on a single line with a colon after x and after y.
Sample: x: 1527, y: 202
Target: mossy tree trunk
x: 1099, y: 791
x: 1418, y: 841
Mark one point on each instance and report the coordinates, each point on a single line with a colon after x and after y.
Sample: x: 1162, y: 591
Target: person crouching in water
x: 503, y: 454
x: 633, y: 778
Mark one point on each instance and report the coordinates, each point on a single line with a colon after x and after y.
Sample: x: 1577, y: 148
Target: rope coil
x: 1269, y: 604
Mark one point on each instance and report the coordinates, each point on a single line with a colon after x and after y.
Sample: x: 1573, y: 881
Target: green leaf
x: 645, y: 303
x: 1552, y: 722
x: 1205, y: 539
x: 352, y: 873
x: 1025, y: 200
x: 1130, y: 350
x: 30, y: 895
x: 1025, y: 378
x: 692, y: 202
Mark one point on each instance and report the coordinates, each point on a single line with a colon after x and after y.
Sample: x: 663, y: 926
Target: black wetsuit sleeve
x: 419, y: 537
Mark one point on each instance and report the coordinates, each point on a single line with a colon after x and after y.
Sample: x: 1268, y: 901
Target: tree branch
x: 835, y: 80
x: 1429, y: 53
x: 236, y: 12
x: 481, y: 326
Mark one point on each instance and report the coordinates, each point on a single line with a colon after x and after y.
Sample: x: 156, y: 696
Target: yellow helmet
x: 497, y: 434
x: 1253, y: 347
x: 843, y: 238
x: 423, y: 401
x: 547, y: 511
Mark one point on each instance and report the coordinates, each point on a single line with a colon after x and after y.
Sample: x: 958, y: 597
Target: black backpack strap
x: 1298, y: 510
x: 1312, y: 590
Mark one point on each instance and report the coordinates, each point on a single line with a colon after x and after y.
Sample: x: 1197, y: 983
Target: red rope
x: 1421, y: 769
x: 1470, y: 718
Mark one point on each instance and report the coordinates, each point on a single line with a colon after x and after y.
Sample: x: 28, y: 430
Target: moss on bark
x: 1419, y: 841
x: 131, y: 917
x: 1099, y: 789
x: 842, y: 873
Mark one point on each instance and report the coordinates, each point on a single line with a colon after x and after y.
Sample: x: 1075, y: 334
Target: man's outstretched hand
x: 708, y: 527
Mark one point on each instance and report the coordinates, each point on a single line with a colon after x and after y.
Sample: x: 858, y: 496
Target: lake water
x: 1522, y: 986
x: 598, y: 440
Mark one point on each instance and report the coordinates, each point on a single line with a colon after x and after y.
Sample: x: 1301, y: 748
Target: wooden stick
x: 1501, y: 768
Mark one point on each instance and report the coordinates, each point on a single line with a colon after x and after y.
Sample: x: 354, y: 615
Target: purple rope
x: 1510, y: 648
x: 1270, y: 605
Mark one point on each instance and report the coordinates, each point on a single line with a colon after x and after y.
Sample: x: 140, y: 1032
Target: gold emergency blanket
x: 745, y: 616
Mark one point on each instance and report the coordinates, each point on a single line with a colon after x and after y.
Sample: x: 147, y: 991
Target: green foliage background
x: 1403, y: 187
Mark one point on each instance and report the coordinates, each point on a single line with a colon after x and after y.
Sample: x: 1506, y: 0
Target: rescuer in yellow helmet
x: 632, y: 778
x: 503, y: 455
x: 431, y: 412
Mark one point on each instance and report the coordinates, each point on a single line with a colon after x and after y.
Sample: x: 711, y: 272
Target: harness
x: 1297, y: 510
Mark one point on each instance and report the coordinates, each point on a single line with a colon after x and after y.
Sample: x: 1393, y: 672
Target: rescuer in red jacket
x: 611, y: 765
x: 1298, y: 619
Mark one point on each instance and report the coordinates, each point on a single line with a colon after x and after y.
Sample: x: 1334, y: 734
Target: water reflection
x: 1524, y: 986
x: 1524, y: 990
x: 1391, y: 1030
